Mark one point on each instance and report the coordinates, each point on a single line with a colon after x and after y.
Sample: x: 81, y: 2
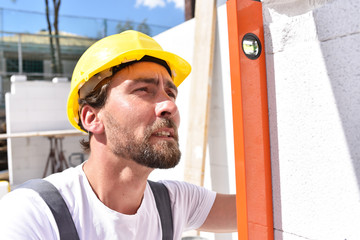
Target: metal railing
x: 25, y: 47
x: 21, y: 21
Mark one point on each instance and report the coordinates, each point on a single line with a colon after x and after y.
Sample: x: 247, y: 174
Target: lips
x: 165, y: 129
x: 163, y: 134
x: 168, y: 133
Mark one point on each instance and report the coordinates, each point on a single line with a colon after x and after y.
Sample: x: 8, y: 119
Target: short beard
x: 163, y: 154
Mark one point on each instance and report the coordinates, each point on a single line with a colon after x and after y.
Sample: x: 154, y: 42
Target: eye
x: 142, y: 89
x: 172, y: 94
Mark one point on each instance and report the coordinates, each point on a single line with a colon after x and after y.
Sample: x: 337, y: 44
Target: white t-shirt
x: 24, y: 215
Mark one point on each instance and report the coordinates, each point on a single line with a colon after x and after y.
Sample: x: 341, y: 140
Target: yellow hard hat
x: 114, y: 50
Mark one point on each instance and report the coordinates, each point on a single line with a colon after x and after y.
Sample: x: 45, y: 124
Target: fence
x: 34, y: 22
x: 25, y: 43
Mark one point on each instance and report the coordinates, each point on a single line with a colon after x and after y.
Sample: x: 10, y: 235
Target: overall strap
x: 57, y: 205
x: 163, y: 205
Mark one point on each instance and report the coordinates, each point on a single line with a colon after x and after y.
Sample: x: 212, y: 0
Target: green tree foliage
x: 130, y: 25
x: 123, y: 26
x: 144, y: 27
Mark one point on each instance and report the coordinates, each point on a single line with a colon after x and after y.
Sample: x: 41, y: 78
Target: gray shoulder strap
x: 65, y: 223
x: 163, y: 205
x: 57, y: 205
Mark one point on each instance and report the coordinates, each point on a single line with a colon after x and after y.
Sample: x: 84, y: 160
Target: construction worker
x: 123, y: 93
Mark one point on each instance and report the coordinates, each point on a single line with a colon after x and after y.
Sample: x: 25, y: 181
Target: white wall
x: 35, y: 106
x: 313, y: 74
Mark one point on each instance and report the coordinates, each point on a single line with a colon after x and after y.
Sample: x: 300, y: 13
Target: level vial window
x: 251, y: 46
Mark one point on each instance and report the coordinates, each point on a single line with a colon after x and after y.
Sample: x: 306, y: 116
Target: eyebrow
x: 171, y: 85
x: 168, y: 83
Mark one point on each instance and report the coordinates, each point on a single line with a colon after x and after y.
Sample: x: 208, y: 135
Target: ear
x: 90, y: 120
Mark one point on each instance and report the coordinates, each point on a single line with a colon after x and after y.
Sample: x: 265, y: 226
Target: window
x: 29, y: 66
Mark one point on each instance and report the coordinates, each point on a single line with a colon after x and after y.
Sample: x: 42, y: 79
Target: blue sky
x: 167, y: 13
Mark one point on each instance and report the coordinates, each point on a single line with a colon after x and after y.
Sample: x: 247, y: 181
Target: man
x: 123, y: 94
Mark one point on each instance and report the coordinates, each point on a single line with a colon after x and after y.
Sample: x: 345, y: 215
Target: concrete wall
x: 313, y: 73
x: 35, y: 106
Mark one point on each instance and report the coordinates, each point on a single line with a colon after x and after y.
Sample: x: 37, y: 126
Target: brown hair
x: 96, y: 99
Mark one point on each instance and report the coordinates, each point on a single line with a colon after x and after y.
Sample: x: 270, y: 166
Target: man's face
x: 140, y: 116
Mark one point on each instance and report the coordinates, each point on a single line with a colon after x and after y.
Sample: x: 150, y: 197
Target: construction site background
x: 313, y: 67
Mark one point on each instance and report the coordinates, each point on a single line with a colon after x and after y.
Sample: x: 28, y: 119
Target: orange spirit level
x: 250, y: 118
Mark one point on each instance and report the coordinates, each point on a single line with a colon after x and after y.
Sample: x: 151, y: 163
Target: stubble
x: 162, y: 154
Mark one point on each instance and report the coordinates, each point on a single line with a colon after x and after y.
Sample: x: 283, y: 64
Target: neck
x: 118, y: 183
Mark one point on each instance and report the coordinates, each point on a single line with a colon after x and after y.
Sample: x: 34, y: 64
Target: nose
x: 166, y: 109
